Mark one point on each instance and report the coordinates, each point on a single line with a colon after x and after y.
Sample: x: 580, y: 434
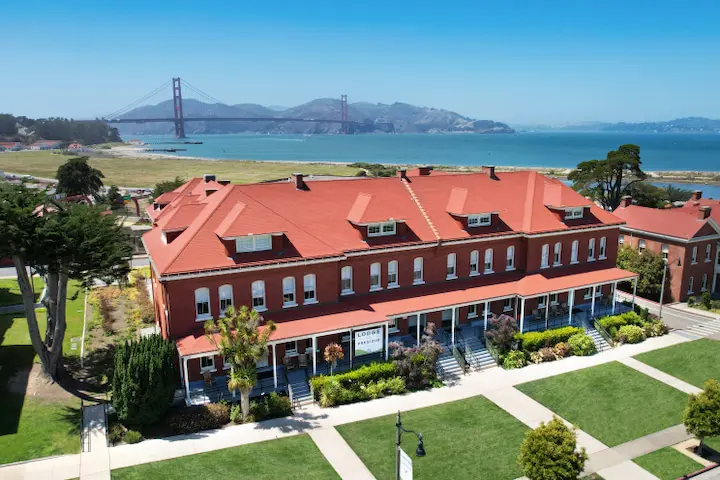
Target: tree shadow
x: 73, y: 417
x: 299, y: 422
x: 16, y: 362
x: 9, y: 298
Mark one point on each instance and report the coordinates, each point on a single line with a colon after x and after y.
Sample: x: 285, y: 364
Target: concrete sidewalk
x: 342, y: 458
x: 660, y: 375
x: 95, y: 458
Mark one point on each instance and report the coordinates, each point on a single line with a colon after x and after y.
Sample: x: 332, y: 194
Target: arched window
x: 591, y: 249
x: 557, y: 253
x: 289, y: 292
x: 258, y: 296
x: 708, y: 252
x: 474, y: 262
x: 451, y: 272
x: 375, y: 277
x: 346, y: 280
x: 510, y: 259
x: 575, y: 246
x: 309, y: 288
x: 393, y: 274
x: 202, y: 303
x: 545, y: 262
x: 225, y: 292
x: 489, y: 260
x: 418, y: 270
x: 603, y: 245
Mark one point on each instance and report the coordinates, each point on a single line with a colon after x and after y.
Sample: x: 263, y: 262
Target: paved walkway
x: 95, y: 458
x: 342, y: 458
x: 683, y: 307
x: 660, y: 375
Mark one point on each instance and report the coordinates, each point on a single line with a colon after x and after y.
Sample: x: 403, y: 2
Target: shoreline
x: 664, y: 176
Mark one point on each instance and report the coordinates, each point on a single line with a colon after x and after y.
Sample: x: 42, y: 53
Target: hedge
x: 613, y: 323
x: 534, y: 341
x: 363, y: 375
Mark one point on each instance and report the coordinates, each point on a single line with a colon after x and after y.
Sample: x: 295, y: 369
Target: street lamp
x: 419, y: 451
x: 662, y: 286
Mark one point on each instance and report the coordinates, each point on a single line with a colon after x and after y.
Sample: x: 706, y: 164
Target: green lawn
x: 288, y: 458
x: 10, y: 291
x: 714, y: 443
x: 611, y: 402
x: 467, y: 439
x: 693, y: 362
x: 667, y: 463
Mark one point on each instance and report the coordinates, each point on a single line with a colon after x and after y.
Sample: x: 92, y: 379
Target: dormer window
x: 479, y: 220
x: 574, y: 213
x: 381, y: 229
x: 253, y: 243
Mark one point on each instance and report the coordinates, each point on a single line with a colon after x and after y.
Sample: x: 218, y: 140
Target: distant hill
x: 679, y: 125
x: 398, y: 117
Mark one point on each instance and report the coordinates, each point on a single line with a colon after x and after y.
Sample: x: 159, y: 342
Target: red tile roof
x: 318, y: 221
x: 369, y: 310
x: 675, y: 222
x: 692, y: 206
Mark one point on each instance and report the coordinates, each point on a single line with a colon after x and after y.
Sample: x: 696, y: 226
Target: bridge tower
x: 178, y: 109
x: 344, y: 126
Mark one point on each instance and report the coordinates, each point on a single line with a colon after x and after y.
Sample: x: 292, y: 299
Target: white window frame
x: 574, y: 252
x: 708, y: 253
x: 381, y: 229
x: 210, y: 367
x: 253, y: 243
x: 418, y: 279
x: 557, y: 254
x: 223, y: 296
x: 574, y: 213
x: 474, y: 263
x: 588, y: 293
x: 451, y: 269
x: 479, y: 220
x: 508, y: 304
x: 346, y: 275
x: 641, y: 245
x: 621, y: 239
x: 199, y: 317
x: 392, y: 326
x: 591, y: 250
x: 554, y: 299
x: 598, y: 291
x: 288, y: 288
x: 309, y: 287
x: 375, y: 277
x: 694, y: 255
x: 225, y: 364
x: 510, y: 258
x: 291, y: 351
x: 665, y: 250
x: 541, y: 301
x: 472, y: 310
x: 603, y: 248
x: 703, y: 284
x: 393, y: 274
x: 691, y: 285
x: 545, y: 256
x: 257, y: 292
x: 488, y: 264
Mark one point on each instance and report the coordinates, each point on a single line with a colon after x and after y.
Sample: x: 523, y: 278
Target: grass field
x: 467, y: 439
x: 10, y: 291
x: 611, y: 402
x: 667, y: 463
x: 287, y: 458
x: 145, y: 172
x: 694, y: 362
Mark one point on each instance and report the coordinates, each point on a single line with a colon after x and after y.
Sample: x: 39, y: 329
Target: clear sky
x: 517, y: 61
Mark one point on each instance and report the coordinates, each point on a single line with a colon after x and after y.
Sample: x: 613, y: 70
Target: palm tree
x: 333, y: 353
x: 239, y: 338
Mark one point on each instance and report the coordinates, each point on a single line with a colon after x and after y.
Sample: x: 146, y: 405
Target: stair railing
x: 603, y: 333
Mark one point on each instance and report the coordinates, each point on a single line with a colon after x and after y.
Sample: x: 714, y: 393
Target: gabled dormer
x: 373, y: 218
x: 241, y: 237
x: 566, y: 204
x: 474, y: 215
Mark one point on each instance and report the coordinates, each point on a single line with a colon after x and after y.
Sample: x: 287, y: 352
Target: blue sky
x: 519, y: 61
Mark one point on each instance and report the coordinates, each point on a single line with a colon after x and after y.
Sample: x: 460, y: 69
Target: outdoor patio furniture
x: 554, y: 310
x: 207, y: 378
x: 287, y: 361
x: 302, y: 360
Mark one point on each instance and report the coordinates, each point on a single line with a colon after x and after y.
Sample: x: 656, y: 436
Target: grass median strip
x: 694, y: 362
x: 667, y: 463
x: 292, y: 458
x: 467, y: 439
x: 611, y: 402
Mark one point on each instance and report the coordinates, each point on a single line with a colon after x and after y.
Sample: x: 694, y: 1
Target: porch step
x: 301, y: 394
x: 476, y: 354
x: 600, y: 344
x: 448, y: 367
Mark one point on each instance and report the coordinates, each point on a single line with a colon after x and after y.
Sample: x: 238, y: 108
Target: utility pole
x: 178, y: 109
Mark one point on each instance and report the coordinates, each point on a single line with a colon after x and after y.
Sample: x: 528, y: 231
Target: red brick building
x: 361, y: 262
x: 687, y: 237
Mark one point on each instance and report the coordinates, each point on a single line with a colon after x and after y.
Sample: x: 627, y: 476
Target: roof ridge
x: 416, y: 200
x: 529, y: 199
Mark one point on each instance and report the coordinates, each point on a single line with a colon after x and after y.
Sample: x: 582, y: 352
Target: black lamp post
x: 419, y: 451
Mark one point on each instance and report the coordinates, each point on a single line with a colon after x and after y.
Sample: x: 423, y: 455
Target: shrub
x: 614, y: 322
x: 547, y: 354
x: 535, y: 357
x: 133, y: 436
x: 236, y: 414
x: 655, y: 329
x: 706, y: 300
x: 549, y: 452
x: 702, y: 414
x: 630, y: 334
x: 270, y: 406
x: 501, y: 333
x: 534, y: 341
x: 582, y: 345
x: 198, y: 418
x: 418, y: 365
x: 335, y: 394
x: 514, y: 359
x: 362, y: 375
x: 144, y: 378
x: 691, y: 301
x: 563, y: 349
x: 115, y: 433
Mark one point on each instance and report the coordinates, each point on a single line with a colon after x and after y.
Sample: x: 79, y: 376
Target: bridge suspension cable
x: 134, y: 104
x: 199, y: 92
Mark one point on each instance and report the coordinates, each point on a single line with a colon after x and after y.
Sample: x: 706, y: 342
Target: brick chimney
x: 224, y: 182
x: 208, y: 178
x: 625, y: 201
x: 299, y: 180
x: 424, y: 171
x: 704, y: 213
x: 696, y: 195
x: 402, y: 173
x: 490, y: 171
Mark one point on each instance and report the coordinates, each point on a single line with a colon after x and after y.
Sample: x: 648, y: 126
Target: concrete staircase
x: 448, y: 367
x: 476, y: 354
x: 301, y: 395
x: 600, y: 344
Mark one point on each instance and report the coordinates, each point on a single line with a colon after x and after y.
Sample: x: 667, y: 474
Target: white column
x: 614, y: 297
x: 387, y: 339
x: 274, y: 366
x: 571, y: 300
x: 418, y: 328
x: 592, y: 302
x: 315, y: 354
x: 634, y: 292
x: 522, y: 313
x: 351, y: 347
x: 452, y: 327
x: 187, y: 381
x: 487, y: 308
x: 547, y: 311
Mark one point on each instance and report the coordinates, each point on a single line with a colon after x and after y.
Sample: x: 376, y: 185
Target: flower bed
x: 631, y: 327
x: 534, y: 341
x: 364, y: 383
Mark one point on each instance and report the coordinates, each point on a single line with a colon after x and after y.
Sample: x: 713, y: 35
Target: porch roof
x: 373, y: 309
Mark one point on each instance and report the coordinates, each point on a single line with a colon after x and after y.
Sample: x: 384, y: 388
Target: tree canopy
x: 702, y: 414
x: 607, y: 181
x: 77, y: 177
x: 167, y: 186
x: 649, y: 267
x: 88, y: 132
x: 647, y: 195
x: 549, y: 453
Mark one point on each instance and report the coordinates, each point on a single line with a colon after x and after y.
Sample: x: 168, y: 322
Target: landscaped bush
x: 534, y: 341
x: 535, y: 357
x: 334, y: 393
x: 630, y: 334
x: 235, y: 413
x: 361, y: 375
x: 132, y: 436
x: 614, y: 322
x: 563, y: 349
x: 269, y: 406
x: 418, y: 365
x: 115, y: 433
x: 655, y: 329
x: 582, y: 345
x: 198, y: 418
x: 501, y: 333
x: 547, y: 354
x: 514, y: 359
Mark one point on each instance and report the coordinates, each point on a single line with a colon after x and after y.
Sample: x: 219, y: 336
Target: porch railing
x: 603, y: 333
x: 493, y: 352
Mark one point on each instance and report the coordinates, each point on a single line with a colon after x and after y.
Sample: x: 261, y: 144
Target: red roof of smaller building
x: 673, y: 223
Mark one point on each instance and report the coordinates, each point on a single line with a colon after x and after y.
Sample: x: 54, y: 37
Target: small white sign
x: 406, y: 472
x: 368, y: 341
